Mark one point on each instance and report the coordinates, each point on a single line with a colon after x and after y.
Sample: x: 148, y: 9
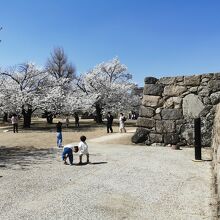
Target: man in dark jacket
x: 109, y: 122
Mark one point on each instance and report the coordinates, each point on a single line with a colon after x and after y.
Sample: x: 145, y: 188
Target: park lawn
x: 44, y: 139
x: 41, y: 135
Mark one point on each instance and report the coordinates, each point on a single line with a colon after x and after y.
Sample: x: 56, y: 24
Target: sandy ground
x: 123, y: 181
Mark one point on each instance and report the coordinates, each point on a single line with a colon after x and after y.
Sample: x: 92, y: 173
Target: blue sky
x: 152, y: 37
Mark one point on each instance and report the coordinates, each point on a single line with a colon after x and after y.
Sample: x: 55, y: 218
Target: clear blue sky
x: 152, y: 37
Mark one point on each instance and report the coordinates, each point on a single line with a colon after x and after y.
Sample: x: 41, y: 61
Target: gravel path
x: 123, y: 182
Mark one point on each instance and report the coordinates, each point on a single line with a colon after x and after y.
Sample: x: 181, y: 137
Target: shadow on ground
x: 24, y: 158
x: 91, y: 163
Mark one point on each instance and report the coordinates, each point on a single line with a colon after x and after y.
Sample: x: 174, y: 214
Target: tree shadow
x: 24, y: 158
x: 43, y: 128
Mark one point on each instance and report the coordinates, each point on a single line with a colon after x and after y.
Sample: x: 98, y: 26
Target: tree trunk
x: 98, y: 117
x: 5, y: 117
x: 49, y: 117
x: 27, y: 117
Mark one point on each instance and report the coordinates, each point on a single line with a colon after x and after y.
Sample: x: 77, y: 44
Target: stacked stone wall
x: 216, y: 162
x: 170, y: 105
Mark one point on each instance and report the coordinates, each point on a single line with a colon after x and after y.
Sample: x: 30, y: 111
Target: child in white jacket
x: 83, y: 149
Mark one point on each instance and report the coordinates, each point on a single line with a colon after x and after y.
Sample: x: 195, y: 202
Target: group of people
x: 68, y: 149
x: 82, y: 147
x: 122, y: 120
x: 110, y: 119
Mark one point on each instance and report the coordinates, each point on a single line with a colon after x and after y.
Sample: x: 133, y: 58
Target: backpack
x: 124, y: 119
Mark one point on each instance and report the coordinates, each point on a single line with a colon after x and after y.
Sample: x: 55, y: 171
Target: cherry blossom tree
x: 78, y: 100
x: 5, y: 103
x: 63, y: 73
x: 22, y: 89
x: 111, y: 84
x: 26, y: 89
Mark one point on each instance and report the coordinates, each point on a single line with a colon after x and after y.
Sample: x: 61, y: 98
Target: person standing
x: 14, y: 121
x: 109, y: 122
x: 59, y: 134
x: 76, y: 116
x: 67, y: 121
x: 122, y: 120
x: 83, y: 149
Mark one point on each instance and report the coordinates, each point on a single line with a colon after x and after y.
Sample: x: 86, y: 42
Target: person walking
x: 59, y: 134
x: 122, y: 120
x: 14, y: 122
x: 109, y: 122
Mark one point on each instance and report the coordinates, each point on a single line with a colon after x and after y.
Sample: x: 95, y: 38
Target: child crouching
x: 83, y: 149
x: 68, y: 152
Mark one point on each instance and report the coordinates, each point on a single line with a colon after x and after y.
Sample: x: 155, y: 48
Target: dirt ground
x: 41, y: 135
x: 122, y: 181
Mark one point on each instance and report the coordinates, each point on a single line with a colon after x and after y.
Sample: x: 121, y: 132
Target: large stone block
x: 179, y: 124
x: 205, y: 111
x: 140, y: 136
x: 205, y: 80
x: 187, y: 134
x: 150, y: 100
x: 150, y: 80
x: 167, y: 80
x: 215, y: 98
x: 179, y: 79
x: 157, y: 117
x: 165, y: 126
x: 207, y: 75
x: 153, y: 89
x: 192, y: 106
x: 173, y: 102
x: 204, y: 91
x: 171, y: 138
x: 171, y: 114
x: 174, y: 90
x: 206, y: 101
x: 214, y: 85
x: 145, y: 122
x: 192, y: 80
x: 193, y: 89
x: 216, y: 76
x: 156, y: 138
x: 146, y: 112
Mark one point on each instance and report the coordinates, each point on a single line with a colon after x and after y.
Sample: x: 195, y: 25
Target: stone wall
x: 170, y: 105
x: 216, y: 161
